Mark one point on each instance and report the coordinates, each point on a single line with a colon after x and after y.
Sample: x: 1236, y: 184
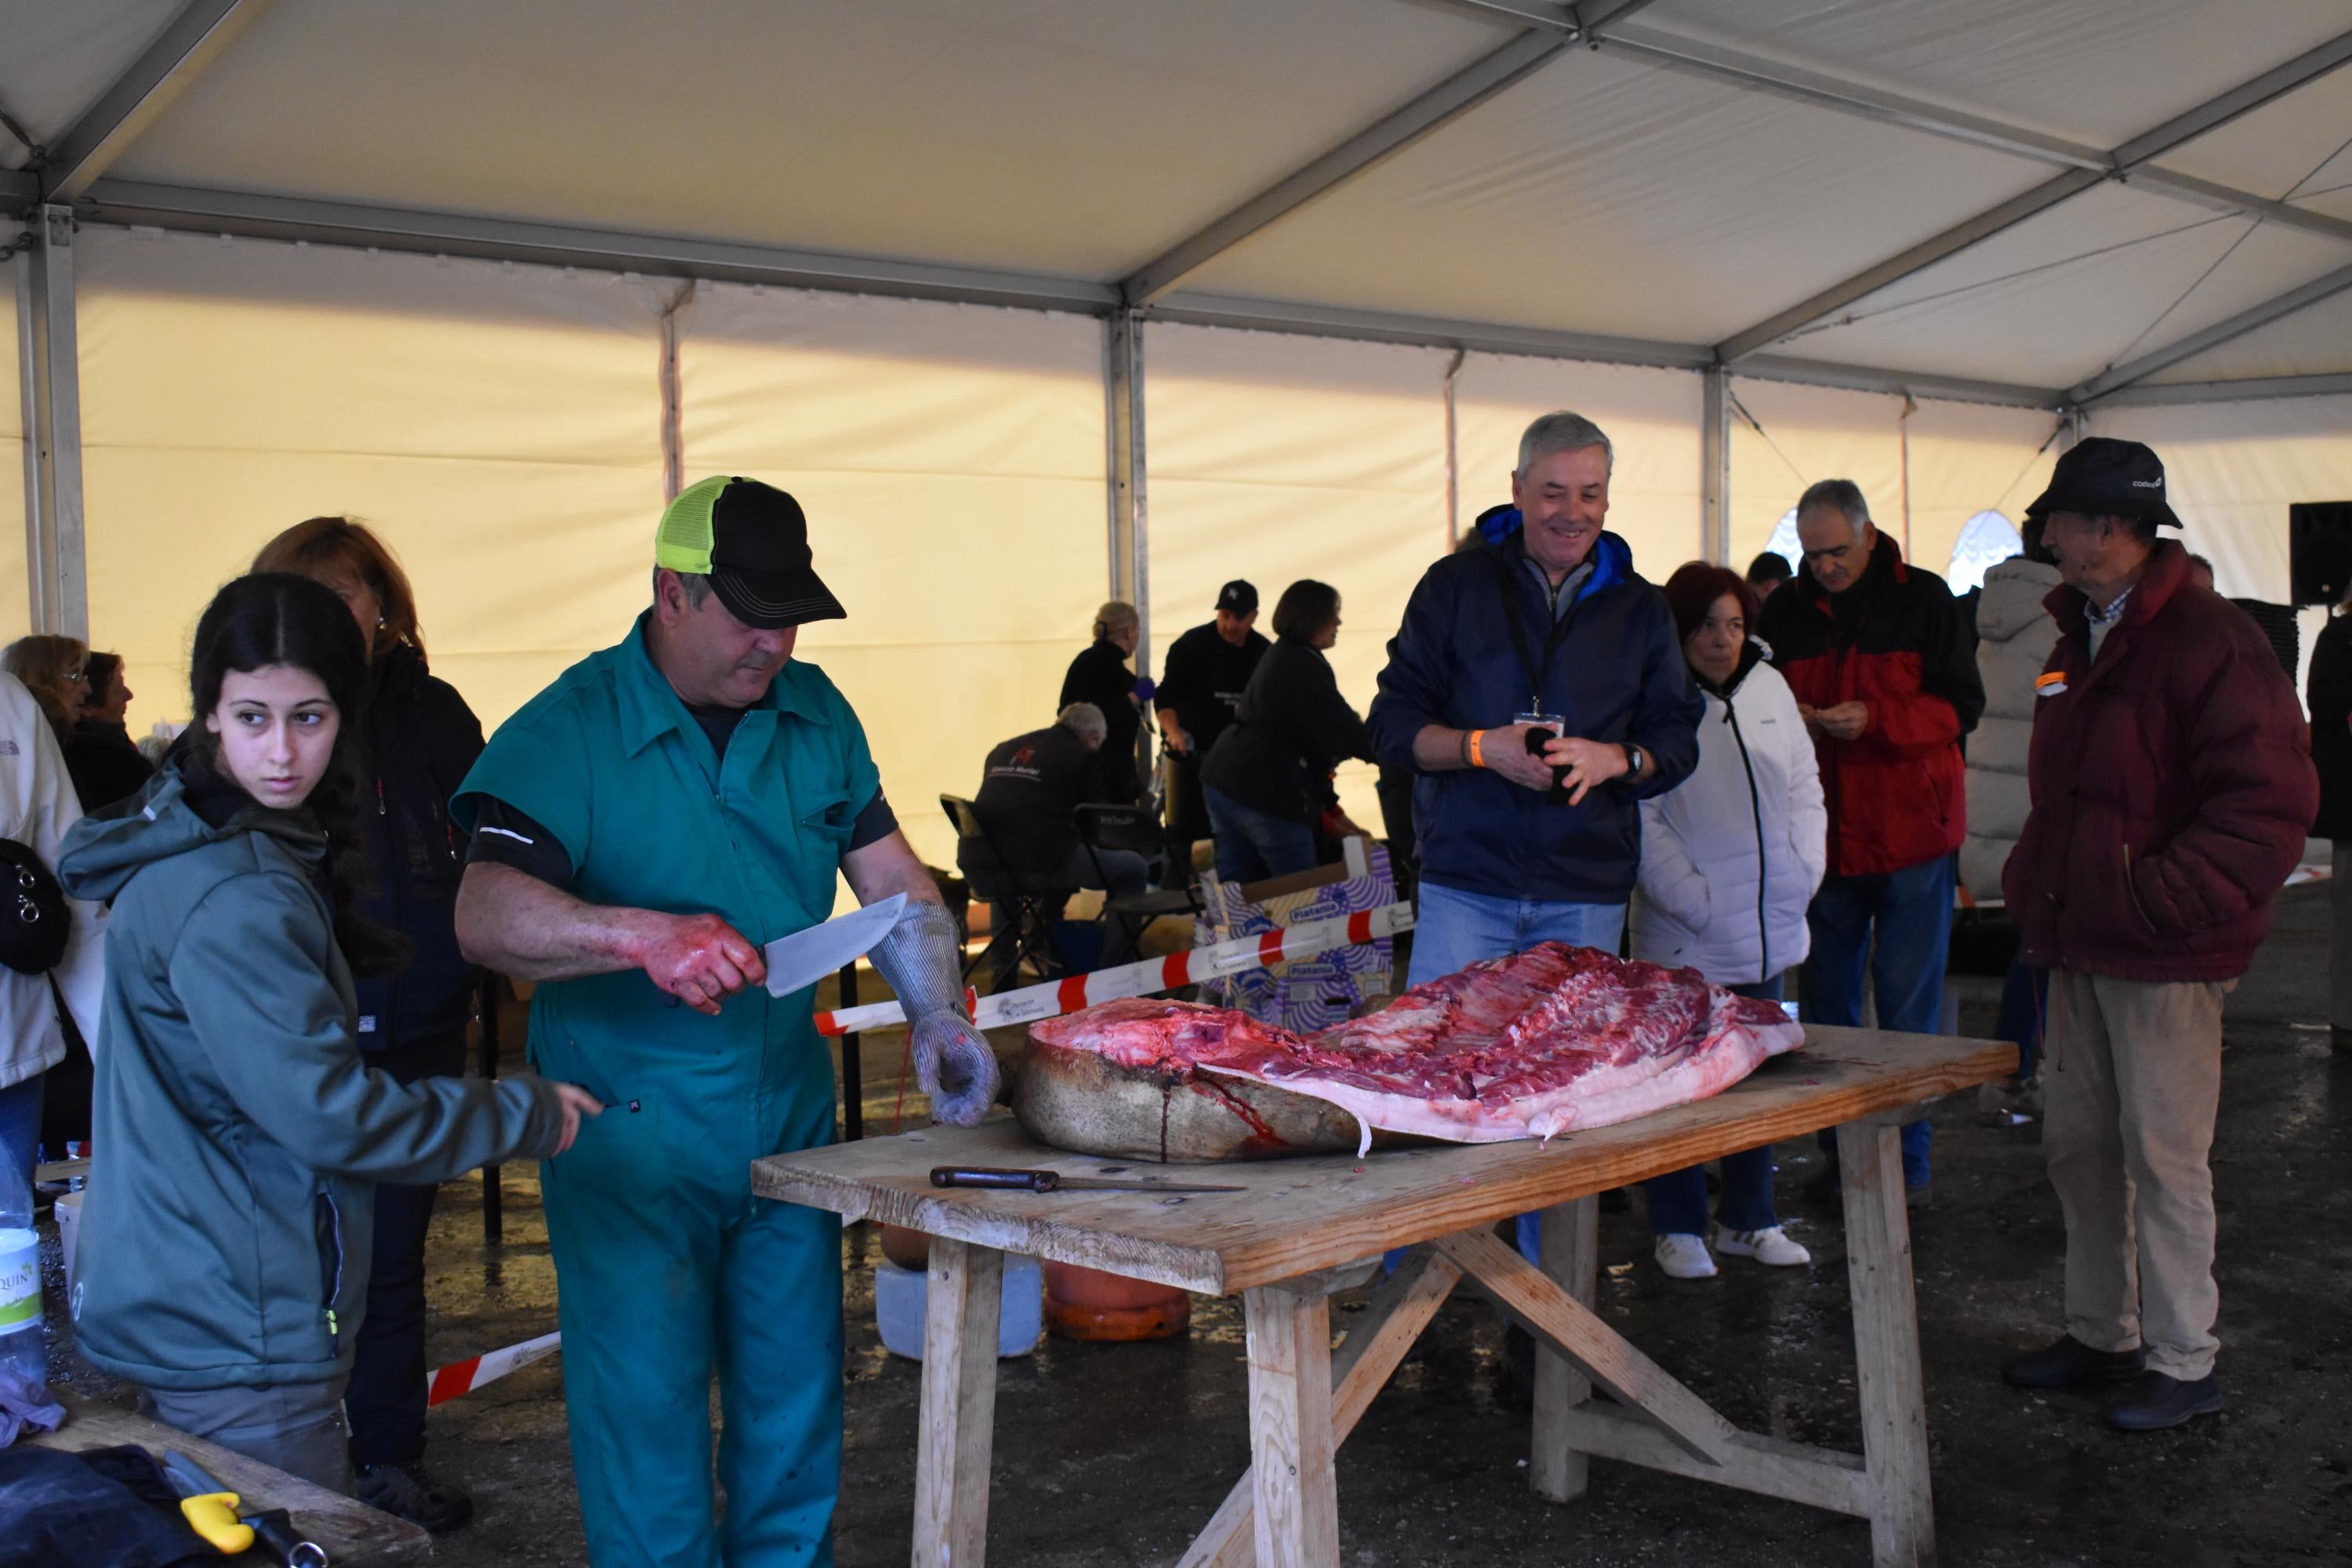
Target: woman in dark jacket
x: 1268, y: 778
x: 106, y: 767
x: 2329, y: 693
x: 1101, y: 676
x: 422, y: 739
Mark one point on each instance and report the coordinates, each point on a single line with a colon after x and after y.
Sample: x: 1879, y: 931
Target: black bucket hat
x: 2103, y: 477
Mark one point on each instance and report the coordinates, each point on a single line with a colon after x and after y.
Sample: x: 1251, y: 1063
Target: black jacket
x: 1101, y: 676
x: 424, y: 740
x: 104, y: 765
x: 1203, y: 681
x: 1293, y: 729
x: 1028, y: 791
x: 2330, y: 694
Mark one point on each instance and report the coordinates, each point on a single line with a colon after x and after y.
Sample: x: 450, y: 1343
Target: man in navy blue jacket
x: 1550, y: 619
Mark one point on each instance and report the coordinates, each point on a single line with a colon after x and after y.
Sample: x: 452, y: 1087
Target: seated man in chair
x: 1031, y: 787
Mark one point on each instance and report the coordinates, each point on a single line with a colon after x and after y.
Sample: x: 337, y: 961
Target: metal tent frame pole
x: 1715, y: 464
x: 50, y: 383
x: 1130, y: 562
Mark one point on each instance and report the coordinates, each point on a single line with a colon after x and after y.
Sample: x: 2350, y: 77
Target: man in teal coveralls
x: 640, y: 829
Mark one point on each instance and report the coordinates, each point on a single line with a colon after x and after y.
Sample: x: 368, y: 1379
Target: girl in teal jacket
x: 237, y: 1130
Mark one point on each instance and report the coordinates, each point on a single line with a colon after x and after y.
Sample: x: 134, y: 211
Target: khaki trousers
x: 2130, y: 1088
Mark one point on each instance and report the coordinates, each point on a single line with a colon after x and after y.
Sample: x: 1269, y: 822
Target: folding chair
x: 1135, y: 827
x: 1024, y: 913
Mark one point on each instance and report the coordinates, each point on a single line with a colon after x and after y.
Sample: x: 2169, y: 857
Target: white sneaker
x: 1683, y: 1256
x: 1771, y: 1246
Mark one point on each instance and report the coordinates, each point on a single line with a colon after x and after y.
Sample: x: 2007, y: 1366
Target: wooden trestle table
x: 1303, y: 1228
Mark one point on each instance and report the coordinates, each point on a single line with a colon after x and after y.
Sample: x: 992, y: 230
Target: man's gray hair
x: 1084, y: 721
x: 1842, y: 494
x: 1563, y: 432
x: 697, y: 586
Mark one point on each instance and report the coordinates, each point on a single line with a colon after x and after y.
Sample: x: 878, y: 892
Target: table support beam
x: 1570, y: 1245
x: 1291, y: 1435
x: 1399, y: 1310
x: 1887, y: 1347
x: 965, y: 1291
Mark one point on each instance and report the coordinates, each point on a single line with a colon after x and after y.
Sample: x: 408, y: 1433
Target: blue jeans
x: 20, y: 1124
x: 1453, y: 929
x: 1910, y: 913
x: 1253, y: 845
x: 1678, y: 1199
x: 2024, y: 1008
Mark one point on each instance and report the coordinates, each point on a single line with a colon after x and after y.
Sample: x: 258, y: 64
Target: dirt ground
x: 1112, y: 1456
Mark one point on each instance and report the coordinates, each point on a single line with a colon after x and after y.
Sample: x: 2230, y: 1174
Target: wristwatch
x: 1633, y: 760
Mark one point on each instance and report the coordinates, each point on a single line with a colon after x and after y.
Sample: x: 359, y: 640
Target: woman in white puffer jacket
x: 1730, y: 859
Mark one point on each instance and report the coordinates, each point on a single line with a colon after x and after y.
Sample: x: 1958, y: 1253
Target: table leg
x: 1887, y: 1347
x: 959, y: 1408
x: 1291, y: 1441
x: 1571, y: 1243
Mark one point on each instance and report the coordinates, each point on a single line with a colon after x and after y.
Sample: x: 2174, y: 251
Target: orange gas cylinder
x: 1088, y: 1304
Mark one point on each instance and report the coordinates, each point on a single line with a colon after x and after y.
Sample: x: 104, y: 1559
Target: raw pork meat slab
x: 1531, y: 1046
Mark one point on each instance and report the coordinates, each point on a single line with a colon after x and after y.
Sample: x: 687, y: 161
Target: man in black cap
x: 2172, y: 784
x: 641, y: 830
x: 1200, y: 692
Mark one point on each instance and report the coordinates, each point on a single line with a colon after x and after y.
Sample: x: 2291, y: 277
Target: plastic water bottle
x: 23, y: 1347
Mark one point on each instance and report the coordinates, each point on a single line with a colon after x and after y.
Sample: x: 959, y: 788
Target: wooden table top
x: 1294, y: 1216
x: 353, y: 1534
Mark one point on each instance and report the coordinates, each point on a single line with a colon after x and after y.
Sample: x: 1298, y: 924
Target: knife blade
x: 805, y: 957
x: 1021, y: 1181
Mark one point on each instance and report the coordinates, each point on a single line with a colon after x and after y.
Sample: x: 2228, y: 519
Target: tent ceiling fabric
x: 1070, y: 136
x: 1079, y: 138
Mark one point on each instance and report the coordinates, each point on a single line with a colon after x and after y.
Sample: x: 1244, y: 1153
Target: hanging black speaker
x: 2320, y: 550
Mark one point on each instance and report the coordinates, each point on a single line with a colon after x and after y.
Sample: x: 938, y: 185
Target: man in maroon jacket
x: 1884, y: 666
x: 2172, y: 782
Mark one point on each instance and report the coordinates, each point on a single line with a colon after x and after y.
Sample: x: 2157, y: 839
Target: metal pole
x: 1131, y: 567
x: 21, y: 276
x: 1715, y: 463
x: 56, y: 556
x: 1453, y: 455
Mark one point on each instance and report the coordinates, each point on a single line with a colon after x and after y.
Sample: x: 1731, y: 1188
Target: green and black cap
x: 751, y: 540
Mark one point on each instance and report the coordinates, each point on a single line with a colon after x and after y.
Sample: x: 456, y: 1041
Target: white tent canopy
x: 946, y: 259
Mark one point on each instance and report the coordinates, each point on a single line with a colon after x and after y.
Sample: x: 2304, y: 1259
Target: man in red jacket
x: 1884, y: 666
x: 2171, y: 782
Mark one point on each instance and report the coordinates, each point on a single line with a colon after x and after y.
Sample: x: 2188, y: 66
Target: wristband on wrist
x: 1477, y: 752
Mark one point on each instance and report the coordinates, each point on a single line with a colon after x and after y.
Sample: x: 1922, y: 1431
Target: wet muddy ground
x: 1115, y: 1454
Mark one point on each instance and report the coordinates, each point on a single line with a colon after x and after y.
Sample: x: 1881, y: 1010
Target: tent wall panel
x: 1277, y: 457
x: 1652, y: 419
x: 1967, y: 458
x: 499, y: 426
x: 2233, y: 469
x: 1811, y: 433
x: 16, y: 576
x: 950, y: 461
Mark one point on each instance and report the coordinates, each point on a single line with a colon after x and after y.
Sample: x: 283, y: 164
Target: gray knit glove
x: 953, y: 1061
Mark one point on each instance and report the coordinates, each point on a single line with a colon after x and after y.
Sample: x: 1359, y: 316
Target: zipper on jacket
x: 1756, y: 807
x: 331, y: 1257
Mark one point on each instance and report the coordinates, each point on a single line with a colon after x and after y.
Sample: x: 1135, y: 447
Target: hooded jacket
x: 37, y: 810
x: 2014, y: 636
x: 2172, y: 786
x: 1617, y: 674
x: 1732, y: 856
x: 1897, y: 642
x: 228, y: 1244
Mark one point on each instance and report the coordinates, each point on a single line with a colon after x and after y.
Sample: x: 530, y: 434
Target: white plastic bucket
x: 899, y: 1297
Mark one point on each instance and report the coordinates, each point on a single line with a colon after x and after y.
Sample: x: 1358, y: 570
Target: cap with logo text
x: 751, y: 540
x: 1237, y: 598
x: 2103, y: 477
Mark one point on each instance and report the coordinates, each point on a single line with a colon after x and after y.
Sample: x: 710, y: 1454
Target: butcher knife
x: 1014, y: 1181
x: 219, y: 1516
x: 807, y: 956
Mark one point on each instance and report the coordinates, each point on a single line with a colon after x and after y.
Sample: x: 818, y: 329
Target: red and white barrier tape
x: 1055, y: 997
x: 447, y: 1382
